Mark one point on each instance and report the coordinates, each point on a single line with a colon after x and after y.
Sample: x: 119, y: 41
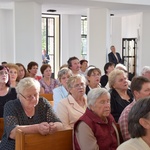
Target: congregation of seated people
x: 86, y: 101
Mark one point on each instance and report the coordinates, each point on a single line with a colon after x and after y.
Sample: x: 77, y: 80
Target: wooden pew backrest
x: 1, y: 127
x: 61, y: 140
x: 119, y: 131
x: 49, y: 97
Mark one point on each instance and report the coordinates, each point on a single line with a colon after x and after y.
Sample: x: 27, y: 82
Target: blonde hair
x: 113, y: 75
x: 11, y: 65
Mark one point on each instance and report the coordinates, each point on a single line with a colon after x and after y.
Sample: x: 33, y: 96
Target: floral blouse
x: 49, y: 88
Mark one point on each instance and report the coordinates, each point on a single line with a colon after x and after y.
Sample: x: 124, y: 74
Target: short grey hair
x: 140, y: 110
x: 63, y: 71
x: 94, y: 94
x: 27, y: 83
x: 145, y: 70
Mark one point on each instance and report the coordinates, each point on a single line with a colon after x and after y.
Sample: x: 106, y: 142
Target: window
x: 84, y: 37
x: 50, y: 38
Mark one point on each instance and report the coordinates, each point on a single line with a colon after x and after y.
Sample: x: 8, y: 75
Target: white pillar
x: 6, y: 36
x: 98, y: 36
x: 70, y: 37
x: 145, y: 40
x: 27, y: 28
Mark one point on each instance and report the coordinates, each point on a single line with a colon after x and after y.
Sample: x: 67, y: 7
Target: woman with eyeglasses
x: 93, y: 77
x: 6, y: 92
x: 28, y: 113
x: 71, y: 108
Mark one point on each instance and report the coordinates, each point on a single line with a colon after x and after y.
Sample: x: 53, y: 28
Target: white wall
x: 128, y: 27
x: 145, y: 38
x: 116, y: 28
x: 6, y: 36
x: 131, y: 28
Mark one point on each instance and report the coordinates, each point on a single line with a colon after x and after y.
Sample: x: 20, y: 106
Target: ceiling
x: 117, y: 7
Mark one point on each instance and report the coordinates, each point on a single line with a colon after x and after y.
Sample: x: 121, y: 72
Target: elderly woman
x: 93, y: 77
x: 61, y: 92
x: 29, y: 113
x: 6, y: 92
x: 121, y: 95
x: 47, y: 82
x: 138, y: 126
x: 71, y: 108
x: 96, y: 128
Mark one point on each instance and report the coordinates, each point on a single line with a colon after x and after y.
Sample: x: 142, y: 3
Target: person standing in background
x: 114, y: 56
x: 45, y: 57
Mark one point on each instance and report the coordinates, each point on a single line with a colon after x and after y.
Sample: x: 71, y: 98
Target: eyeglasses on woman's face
x: 81, y: 85
x: 30, y: 97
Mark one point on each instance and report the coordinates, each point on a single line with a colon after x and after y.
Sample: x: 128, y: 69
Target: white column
x: 6, y: 36
x: 70, y: 37
x: 98, y: 36
x: 145, y: 40
x: 27, y: 28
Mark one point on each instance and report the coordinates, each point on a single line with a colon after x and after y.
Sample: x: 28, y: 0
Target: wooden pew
x: 61, y: 140
x: 119, y: 131
x: 49, y: 97
x: 1, y: 127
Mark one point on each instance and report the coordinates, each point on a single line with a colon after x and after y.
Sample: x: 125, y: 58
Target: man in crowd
x: 74, y: 65
x: 114, y: 56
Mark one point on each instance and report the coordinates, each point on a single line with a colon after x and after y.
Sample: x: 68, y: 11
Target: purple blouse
x: 49, y: 88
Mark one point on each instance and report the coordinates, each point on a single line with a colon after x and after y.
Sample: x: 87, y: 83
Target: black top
x: 87, y: 89
x: 11, y: 95
x: 112, y: 58
x: 14, y: 115
x: 104, y: 81
x: 118, y: 104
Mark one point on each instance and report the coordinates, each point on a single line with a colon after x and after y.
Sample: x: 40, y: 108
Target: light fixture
x: 51, y: 10
x: 111, y: 14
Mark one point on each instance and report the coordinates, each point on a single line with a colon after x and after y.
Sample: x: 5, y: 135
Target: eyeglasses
x: 81, y: 85
x: 29, y: 97
x: 3, y: 72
